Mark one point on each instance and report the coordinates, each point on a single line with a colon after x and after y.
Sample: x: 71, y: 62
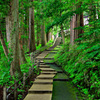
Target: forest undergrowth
x: 82, y: 63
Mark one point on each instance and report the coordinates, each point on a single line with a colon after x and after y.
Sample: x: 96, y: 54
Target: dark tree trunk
x: 32, y: 46
x: 43, y: 35
x: 38, y: 34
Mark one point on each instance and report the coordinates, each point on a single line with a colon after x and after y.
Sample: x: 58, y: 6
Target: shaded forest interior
x: 28, y: 25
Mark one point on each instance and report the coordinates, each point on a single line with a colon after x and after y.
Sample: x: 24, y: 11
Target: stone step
x: 53, y: 52
x: 41, y: 61
x: 48, y: 76
x: 43, y: 81
x: 44, y: 66
x: 47, y: 69
x: 39, y: 96
x: 41, y: 88
x: 48, y: 72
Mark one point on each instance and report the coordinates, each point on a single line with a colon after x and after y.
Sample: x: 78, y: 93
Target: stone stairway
x: 43, y: 85
x: 52, y: 83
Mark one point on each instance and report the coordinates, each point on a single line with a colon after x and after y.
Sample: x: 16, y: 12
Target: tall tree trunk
x: 38, y: 34
x: 8, y: 31
x: 61, y: 28
x: 76, y: 21
x: 72, y: 31
x: 43, y: 35
x: 3, y: 43
x: 15, y: 66
x: 22, y: 55
x: 49, y: 36
x: 22, y: 40
x: 26, y: 21
x: 77, y: 31
x: 62, y: 34
x: 32, y: 46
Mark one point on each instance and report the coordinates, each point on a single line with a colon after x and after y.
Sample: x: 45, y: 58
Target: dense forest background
x: 27, y: 25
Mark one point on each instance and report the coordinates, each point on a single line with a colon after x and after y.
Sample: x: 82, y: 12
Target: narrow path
x: 62, y: 89
x: 52, y: 83
x: 43, y: 85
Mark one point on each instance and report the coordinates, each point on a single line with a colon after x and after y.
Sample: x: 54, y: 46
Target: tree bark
x: 77, y: 31
x: 26, y: 45
x: 8, y: 31
x: 76, y: 21
x: 15, y: 65
x: 22, y: 40
x: 62, y: 34
x: 49, y: 36
x: 22, y: 54
x: 72, y: 31
x: 38, y: 34
x: 43, y: 35
x: 32, y: 46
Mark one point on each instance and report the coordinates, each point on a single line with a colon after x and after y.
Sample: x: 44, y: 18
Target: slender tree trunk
x: 31, y: 31
x: 3, y: 43
x: 81, y: 24
x: 15, y: 66
x: 8, y: 25
x: 43, y: 35
x: 22, y: 40
x: 62, y: 34
x: 77, y: 21
x: 26, y: 21
x: 49, y: 36
x: 72, y: 31
x: 38, y: 34
x: 77, y: 31
x: 22, y: 55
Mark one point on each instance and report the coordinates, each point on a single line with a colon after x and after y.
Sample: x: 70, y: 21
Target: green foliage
x: 82, y: 63
x: 38, y: 47
x: 4, y: 68
x: 4, y: 8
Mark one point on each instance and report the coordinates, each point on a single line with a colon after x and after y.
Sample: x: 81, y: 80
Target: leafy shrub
x: 82, y: 63
x: 4, y: 68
